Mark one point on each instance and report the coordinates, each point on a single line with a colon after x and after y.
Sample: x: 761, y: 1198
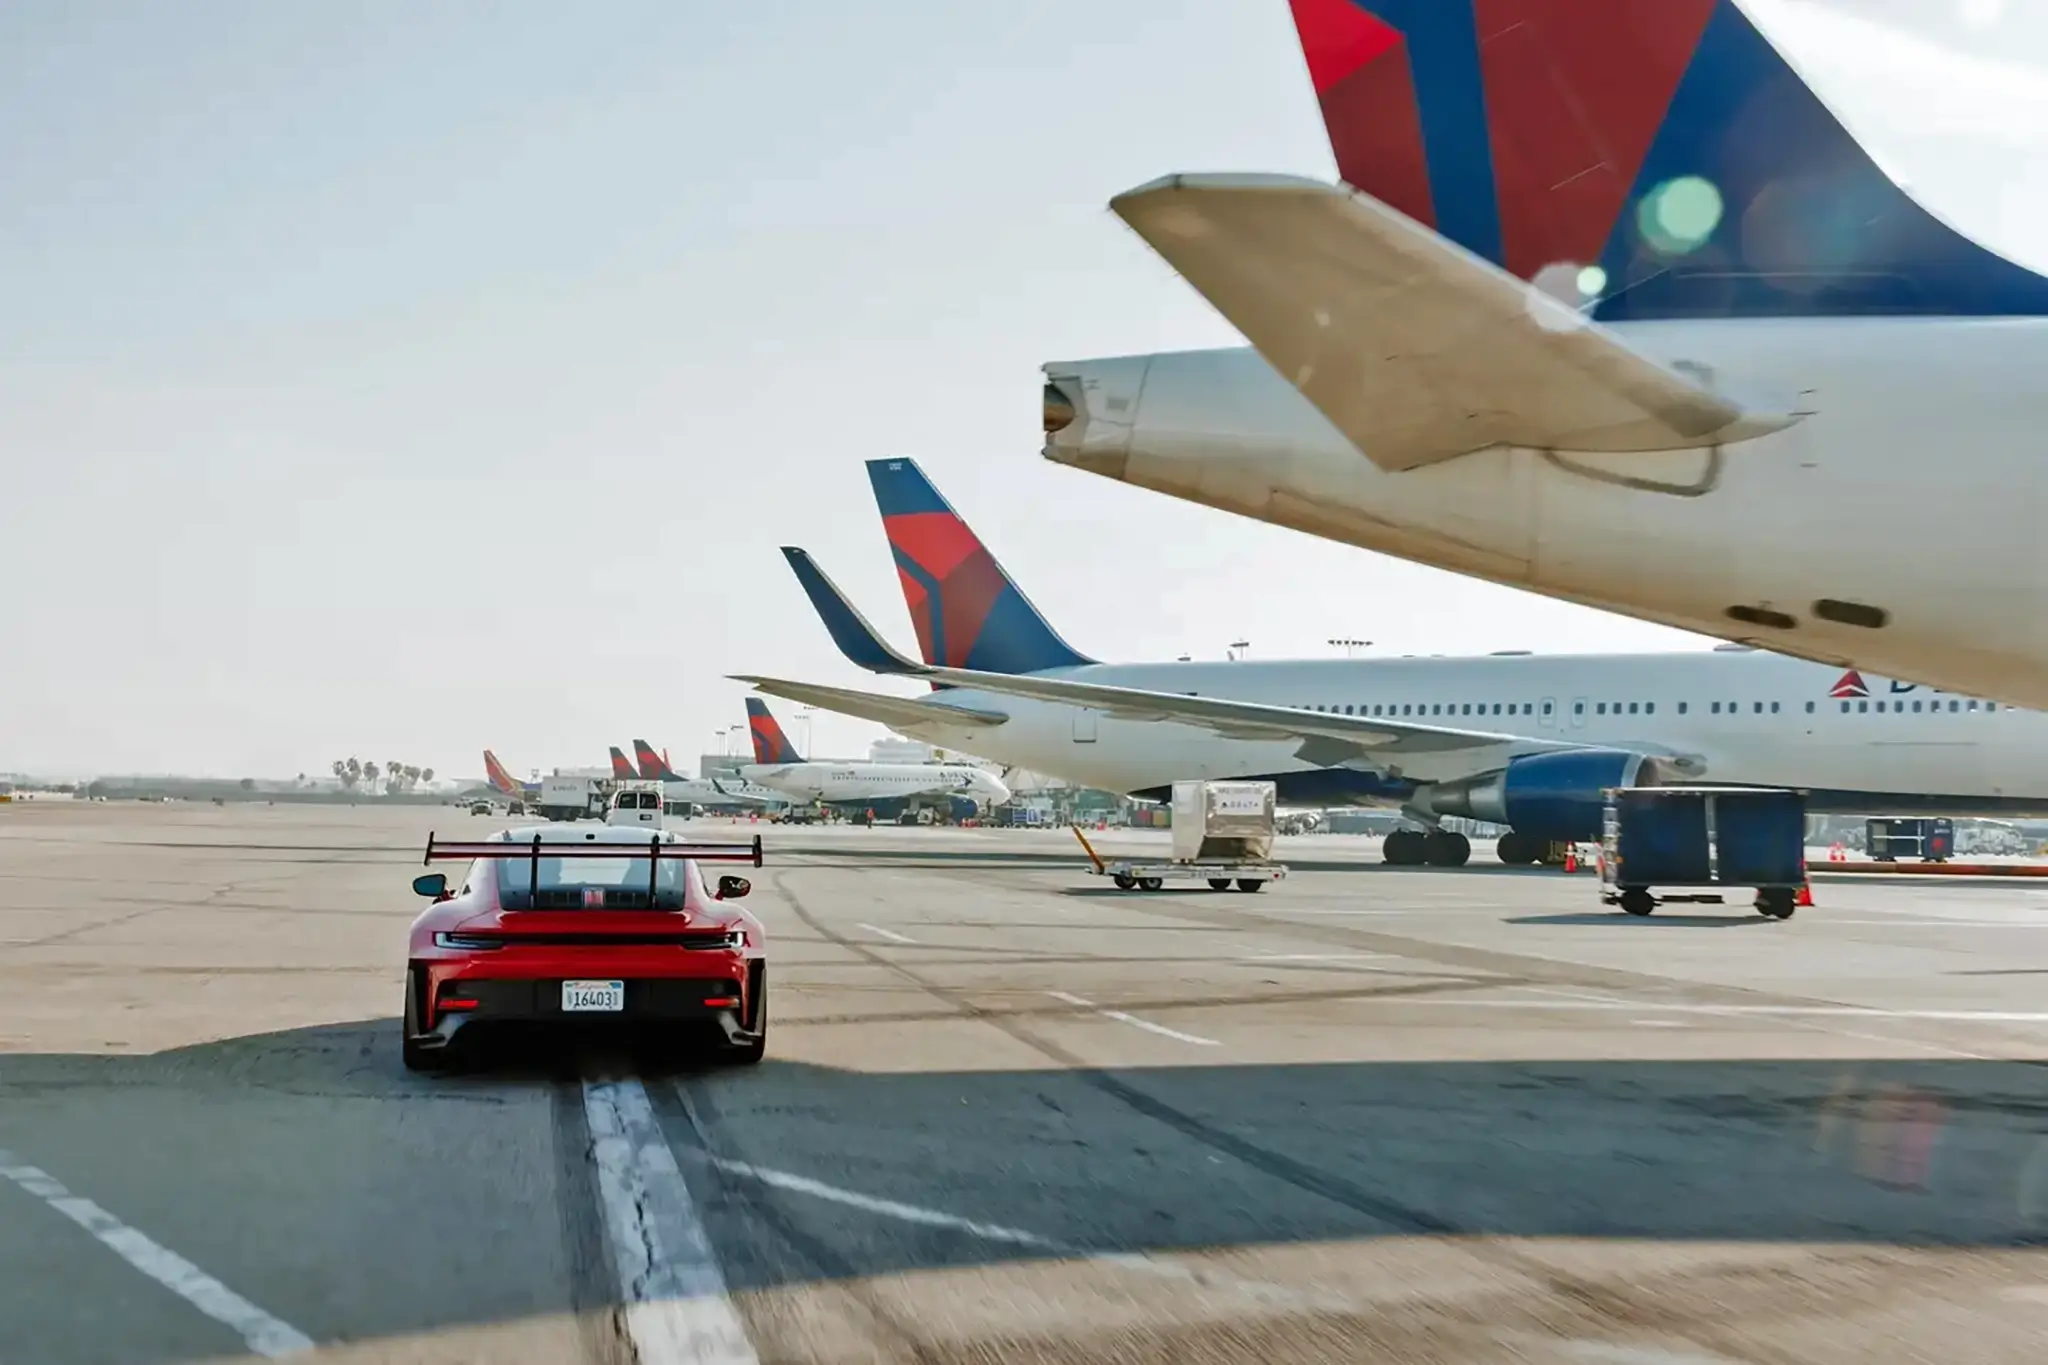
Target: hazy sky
x: 317, y: 322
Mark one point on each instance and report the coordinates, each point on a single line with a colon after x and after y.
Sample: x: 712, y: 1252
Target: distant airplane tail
x: 1649, y: 158
x: 500, y: 780
x: 967, y: 611
x: 770, y: 744
x: 653, y: 767
x: 622, y: 767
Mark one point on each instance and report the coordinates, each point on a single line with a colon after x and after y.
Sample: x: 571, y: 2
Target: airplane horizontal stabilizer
x: 1415, y: 348
x: 1327, y: 738
x: 899, y: 713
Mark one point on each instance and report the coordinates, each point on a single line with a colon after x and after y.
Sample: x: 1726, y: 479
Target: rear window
x: 563, y: 880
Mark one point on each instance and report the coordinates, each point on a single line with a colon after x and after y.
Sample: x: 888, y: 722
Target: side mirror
x: 434, y: 884
x: 732, y: 888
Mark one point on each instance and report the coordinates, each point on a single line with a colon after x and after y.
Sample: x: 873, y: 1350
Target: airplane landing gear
x: 1519, y: 850
x: 1436, y: 847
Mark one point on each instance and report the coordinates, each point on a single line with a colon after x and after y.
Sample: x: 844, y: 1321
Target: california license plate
x: 593, y: 997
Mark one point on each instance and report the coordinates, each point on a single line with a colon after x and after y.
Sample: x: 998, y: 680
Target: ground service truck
x: 570, y: 798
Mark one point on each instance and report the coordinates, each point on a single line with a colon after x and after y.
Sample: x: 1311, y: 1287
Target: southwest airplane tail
x: 770, y: 744
x: 967, y: 611
x: 502, y: 781
x: 1650, y: 159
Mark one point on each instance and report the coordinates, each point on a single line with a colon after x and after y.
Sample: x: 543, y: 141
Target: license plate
x: 588, y: 997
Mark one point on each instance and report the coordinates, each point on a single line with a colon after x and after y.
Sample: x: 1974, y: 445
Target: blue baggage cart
x: 1657, y: 838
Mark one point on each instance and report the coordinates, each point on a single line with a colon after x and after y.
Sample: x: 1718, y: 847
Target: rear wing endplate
x: 655, y: 850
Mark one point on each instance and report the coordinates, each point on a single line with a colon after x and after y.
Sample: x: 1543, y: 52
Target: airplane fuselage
x: 853, y: 782
x: 1856, y: 744
x: 1896, y: 526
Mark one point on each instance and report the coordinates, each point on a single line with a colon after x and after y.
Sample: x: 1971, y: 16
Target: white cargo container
x: 569, y: 798
x: 1227, y: 821
x: 1222, y: 834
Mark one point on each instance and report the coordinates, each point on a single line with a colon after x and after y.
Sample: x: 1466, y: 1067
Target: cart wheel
x: 1125, y: 882
x: 1778, y: 903
x: 1151, y: 883
x: 1638, y: 901
x: 1219, y: 883
x: 1250, y: 884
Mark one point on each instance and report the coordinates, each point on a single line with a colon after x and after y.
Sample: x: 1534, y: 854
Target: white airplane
x: 886, y: 788
x: 702, y: 791
x: 1521, y: 740
x: 1617, y: 312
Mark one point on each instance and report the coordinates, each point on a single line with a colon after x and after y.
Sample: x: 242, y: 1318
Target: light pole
x: 803, y: 718
x: 1350, y: 647
x: 1239, y: 648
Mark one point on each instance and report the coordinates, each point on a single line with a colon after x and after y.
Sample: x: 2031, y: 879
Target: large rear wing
x: 655, y: 850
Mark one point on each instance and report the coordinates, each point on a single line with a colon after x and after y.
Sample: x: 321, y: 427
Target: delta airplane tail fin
x: 962, y: 603
x: 1647, y: 158
x: 653, y: 766
x: 622, y: 767
x: 770, y: 744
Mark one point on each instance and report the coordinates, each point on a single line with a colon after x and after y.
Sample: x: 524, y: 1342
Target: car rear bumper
x: 709, y: 988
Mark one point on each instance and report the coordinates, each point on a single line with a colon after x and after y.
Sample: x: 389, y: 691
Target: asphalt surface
x: 1009, y: 1114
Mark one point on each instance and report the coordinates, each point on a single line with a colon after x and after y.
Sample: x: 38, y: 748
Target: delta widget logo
x: 1850, y: 684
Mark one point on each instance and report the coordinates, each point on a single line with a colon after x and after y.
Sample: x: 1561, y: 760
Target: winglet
x: 857, y: 640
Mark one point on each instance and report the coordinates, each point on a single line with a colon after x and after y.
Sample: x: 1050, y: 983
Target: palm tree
x: 370, y: 775
x: 426, y: 774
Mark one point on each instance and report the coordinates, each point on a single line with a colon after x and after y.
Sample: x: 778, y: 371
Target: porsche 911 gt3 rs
x: 569, y: 925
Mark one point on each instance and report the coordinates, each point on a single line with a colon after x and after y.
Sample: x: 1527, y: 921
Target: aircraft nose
x: 1090, y: 408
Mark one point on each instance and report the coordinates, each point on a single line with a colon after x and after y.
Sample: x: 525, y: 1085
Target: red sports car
x: 578, y: 924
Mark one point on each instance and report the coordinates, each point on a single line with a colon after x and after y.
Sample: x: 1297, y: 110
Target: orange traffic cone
x: 1571, y: 857
x: 1805, y: 896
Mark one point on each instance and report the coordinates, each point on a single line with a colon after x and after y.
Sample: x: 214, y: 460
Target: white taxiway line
x: 1136, y: 1262
x: 889, y: 934
x: 1133, y: 1020
x: 266, y: 1335
x: 1817, y: 1011
x: 677, y: 1311
x: 1317, y: 957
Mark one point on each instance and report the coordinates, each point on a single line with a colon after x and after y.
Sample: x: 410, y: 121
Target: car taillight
x: 473, y: 943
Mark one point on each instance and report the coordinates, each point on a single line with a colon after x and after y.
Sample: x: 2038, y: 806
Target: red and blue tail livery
x: 770, y: 744
x: 1658, y: 156
x: 966, y: 610
x: 653, y: 766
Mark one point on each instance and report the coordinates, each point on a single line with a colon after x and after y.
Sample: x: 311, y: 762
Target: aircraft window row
x: 1647, y: 708
x: 1989, y: 707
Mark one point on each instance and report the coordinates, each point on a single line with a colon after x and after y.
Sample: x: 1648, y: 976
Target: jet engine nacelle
x: 1554, y: 796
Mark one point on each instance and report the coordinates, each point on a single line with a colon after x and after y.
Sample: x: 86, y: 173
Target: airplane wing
x: 1326, y: 737
x: 1416, y: 349
x: 898, y: 713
